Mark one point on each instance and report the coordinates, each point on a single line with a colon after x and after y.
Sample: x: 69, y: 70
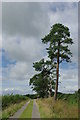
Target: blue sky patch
x: 5, y: 60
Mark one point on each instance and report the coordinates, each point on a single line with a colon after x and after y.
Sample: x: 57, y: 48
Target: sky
x: 24, y: 24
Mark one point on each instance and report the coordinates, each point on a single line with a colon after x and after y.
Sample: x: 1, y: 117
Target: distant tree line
x: 47, y: 78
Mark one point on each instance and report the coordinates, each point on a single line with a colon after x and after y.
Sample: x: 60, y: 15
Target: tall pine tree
x: 58, y: 51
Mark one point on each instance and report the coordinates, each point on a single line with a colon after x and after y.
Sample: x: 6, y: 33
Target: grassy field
x: 27, y: 113
x: 11, y: 103
x: 65, y: 107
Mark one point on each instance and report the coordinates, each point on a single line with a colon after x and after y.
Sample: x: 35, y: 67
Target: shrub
x: 12, y: 99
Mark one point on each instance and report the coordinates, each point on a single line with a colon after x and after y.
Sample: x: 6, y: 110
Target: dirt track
x: 18, y: 113
x: 35, y: 111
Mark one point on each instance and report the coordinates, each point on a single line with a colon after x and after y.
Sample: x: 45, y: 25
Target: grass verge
x: 10, y: 110
x: 44, y: 108
x: 27, y: 113
x: 59, y: 109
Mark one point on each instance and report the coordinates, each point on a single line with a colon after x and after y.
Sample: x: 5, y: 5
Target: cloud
x: 68, y: 80
x: 17, y: 71
x: 0, y: 85
x: 0, y: 25
x: 20, y: 71
x: 16, y: 87
x: 68, y: 17
x: 16, y: 91
x: 23, y: 49
x: 0, y: 18
x: 24, y: 24
x: 70, y: 74
x: 68, y: 88
x: 0, y: 41
x: 24, y: 19
x: 0, y: 73
x: 23, y: 27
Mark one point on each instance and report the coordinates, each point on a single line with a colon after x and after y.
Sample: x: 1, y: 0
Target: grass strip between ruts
x: 27, y: 113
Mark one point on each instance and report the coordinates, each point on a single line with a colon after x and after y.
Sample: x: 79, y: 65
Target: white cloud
x: 0, y: 73
x: 29, y: 30
x: 0, y: 84
x: 0, y: 41
x: 23, y: 49
x: 69, y: 74
x: 17, y: 91
x: 68, y: 17
x: 0, y: 25
x: 69, y: 80
x: 24, y: 24
x: 68, y: 89
x: 17, y: 71
x: 25, y: 19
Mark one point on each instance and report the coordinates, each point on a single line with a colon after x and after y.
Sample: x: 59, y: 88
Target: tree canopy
x: 42, y: 82
x: 58, y: 51
x: 59, y: 41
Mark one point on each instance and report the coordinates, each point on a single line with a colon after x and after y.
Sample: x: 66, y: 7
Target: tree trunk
x: 57, y: 77
x: 50, y: 92
x: 50, y: 89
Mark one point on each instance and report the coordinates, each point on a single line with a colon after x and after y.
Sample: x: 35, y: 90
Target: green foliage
x: 78, y: 94
x: 39, y: 66
x: 7, y: 100
x: 42, y: 82
x: 32, y: 96
x: 59, y: 39
x: 40, y: 85
x: 70, y: 98
x: 58, y: 51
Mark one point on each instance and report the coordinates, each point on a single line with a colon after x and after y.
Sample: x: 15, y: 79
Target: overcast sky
x: 23, y: 26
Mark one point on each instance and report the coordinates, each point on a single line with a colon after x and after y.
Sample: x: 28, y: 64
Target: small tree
x: 39, y: 85
x: 42, y: 82
x: 59, y: 41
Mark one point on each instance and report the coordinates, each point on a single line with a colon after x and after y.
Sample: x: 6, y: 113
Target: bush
x: 12, y: 99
